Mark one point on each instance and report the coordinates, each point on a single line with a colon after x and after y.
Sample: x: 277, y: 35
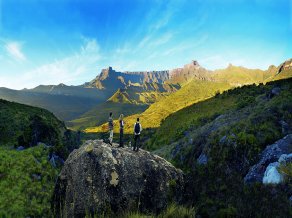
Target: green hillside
x: 230, y: 129
x: 22, y: 125
x: 27, y: 177
x: 241, y: 75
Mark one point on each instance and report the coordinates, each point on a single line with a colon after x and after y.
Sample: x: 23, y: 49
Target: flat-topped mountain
x: 109, y: 78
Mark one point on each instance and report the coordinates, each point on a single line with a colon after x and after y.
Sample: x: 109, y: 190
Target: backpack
x: 110, y: 123
x: 137, y: 128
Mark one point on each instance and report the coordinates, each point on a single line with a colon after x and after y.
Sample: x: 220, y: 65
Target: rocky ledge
x: 98, y: 178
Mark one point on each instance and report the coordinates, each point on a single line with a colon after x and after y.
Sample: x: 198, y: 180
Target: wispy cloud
x: 186, y: 46
x: 14, y: 49
x: 166, y: 14
x: 162, y: 39
x: 69, y: 70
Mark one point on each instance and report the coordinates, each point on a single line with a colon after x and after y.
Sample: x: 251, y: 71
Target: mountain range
x: 81, y: 106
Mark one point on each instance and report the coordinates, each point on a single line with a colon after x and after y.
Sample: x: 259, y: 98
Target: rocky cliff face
x: 97, y: 178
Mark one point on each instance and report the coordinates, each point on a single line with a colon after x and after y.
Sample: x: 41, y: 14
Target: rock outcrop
x: 266, y: 169
x: 97, y: 178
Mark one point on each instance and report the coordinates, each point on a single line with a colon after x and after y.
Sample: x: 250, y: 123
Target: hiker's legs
x: 138, y: 142
x: 111, y: 136
x: 121, y: 138
x: 135, y: 143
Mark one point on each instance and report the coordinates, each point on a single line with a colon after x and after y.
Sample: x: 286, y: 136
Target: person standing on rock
x: 137, y: 132
x: 111, y: 128
x: 121, y: 130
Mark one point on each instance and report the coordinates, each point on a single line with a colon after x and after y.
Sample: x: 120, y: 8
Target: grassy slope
x: 194, y: 91
x: 250, y: 121
x: 240, y: 75
x: 247, y: 105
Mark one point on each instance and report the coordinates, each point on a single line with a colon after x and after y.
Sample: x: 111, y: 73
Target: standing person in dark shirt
x: 121, y: 121
x: 137, y: 132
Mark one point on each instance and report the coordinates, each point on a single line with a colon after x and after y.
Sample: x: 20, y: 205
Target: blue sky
x: 70, y: 41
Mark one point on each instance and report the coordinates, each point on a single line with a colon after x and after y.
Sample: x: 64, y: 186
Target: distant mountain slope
x: 62, y: 89
x: 99, y: 114
x: 65, y: 107
x: 242, y: 76
x: 194, y: 91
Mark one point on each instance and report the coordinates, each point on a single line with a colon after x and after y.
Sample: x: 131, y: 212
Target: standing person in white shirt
x: 121, y: 121
x: 137, y: 132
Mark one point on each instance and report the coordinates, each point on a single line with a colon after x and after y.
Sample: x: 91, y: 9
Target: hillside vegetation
x: 22, y: 125
x: 27, y: 181
x: 241, y: 75
x: 229, y: 131
x: 27, y: 175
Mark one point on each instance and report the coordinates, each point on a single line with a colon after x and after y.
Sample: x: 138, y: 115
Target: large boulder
x: 98, y: 178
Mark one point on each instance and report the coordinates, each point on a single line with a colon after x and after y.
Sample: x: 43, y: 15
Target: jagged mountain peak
x: 193, y: 64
